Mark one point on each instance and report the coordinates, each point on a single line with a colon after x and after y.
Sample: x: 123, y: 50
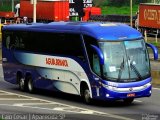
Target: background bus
x: 95, y: 60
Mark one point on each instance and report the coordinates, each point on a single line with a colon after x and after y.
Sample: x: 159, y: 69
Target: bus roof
x: 98, y: 30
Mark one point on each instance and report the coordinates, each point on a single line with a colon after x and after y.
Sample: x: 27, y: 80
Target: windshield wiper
x: 120, y: 70
x: 135, y: 69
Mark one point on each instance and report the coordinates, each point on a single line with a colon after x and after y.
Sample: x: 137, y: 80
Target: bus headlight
x: 147, y: 85
x: 109, y: 87
x: 128, y: 89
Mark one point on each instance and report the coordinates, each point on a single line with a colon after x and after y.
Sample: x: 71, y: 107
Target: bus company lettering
x: 57, y: 62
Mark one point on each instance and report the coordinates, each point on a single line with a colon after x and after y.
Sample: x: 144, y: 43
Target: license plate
x: 131, y: 95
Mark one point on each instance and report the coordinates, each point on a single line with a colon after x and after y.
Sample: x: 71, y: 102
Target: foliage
x: 100, y: 2
x: 5, y: 8
x: 118, y: 2
x: 157, y: 44
x: 6, y: 5
x: 122, y: 10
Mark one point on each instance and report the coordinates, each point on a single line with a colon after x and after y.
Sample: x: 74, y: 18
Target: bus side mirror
x: 99, y: 53
x: 154, y: 49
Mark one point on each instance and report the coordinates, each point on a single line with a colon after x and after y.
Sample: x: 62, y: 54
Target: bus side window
x: 11, y: 41
x: 18, y: 41
x: 7, y: 36
x: 63, y: 44
x: 74, y: 46
x: 8, y: 40
x: 96, y: 64
x: 69, y: 45
x: 92, y: 56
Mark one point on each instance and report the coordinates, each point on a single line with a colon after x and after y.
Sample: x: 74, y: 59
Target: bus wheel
x: 30, y: 84
x: 87, y: 96
x: 22, y: 84
x: 128, y: 101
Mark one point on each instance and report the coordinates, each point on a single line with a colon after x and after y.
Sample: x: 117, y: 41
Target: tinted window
x: 92, y: 55
x: 14, y: 40
x: 6, y: 39
x: 48, y: 43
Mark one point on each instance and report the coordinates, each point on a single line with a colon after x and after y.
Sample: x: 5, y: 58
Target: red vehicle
x: 149, y: 16
x: 4, y: 14
x: 6, y: 17
x: 49, y: 10
x: 91, y: 11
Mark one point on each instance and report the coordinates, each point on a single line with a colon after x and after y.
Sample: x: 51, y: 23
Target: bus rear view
x: 102, y: 61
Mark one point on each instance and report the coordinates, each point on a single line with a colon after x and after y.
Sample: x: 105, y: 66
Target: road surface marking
x: 1, y: 94
x: 137, y: 101
x: 87, y: 112
x: 64, y: 108
x: 15, y: 99
x: 156, y: 88
x: 104, y: 114
x: 21, y: 104
x: 59, y: 108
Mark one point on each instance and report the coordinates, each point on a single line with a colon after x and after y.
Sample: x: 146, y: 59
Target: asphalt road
x: 44, y: 105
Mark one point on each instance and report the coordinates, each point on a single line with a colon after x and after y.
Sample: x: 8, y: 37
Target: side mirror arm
x: 154, y: 49
x: 99, y: 53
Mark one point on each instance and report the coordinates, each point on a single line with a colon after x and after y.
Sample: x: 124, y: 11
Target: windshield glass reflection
x: 125, y: 60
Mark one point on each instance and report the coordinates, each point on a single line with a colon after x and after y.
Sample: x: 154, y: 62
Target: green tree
x: 100, y: 2
x: 6, y: 5
x: 118, y: 2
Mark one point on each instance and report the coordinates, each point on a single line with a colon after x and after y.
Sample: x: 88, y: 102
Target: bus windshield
x: 125, y: 61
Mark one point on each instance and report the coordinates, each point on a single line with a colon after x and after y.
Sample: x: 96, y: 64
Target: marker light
x: 107, y: 95
x: 150, y: 91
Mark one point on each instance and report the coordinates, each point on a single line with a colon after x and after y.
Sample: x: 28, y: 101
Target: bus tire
x: 87, y: 96
x: 128, y: 101
x: 85, y: 93
x: 30, y: 85
x: 22, y: 84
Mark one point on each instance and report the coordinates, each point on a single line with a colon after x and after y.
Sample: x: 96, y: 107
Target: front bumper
x: 107, y: 92
x: 113, y: 95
